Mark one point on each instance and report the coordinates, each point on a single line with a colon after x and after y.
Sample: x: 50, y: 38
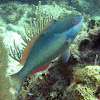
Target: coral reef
x: 60, y: 81
x: 84, y: 6
x: 44, y: 86
x: 86, y: 47
x: 89, y: 82
x: 11, y: 13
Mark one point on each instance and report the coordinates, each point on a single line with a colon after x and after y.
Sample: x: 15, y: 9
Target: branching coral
x: 16, y: 53
x: 36, y: 27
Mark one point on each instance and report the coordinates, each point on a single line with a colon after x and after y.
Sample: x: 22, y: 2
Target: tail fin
x: 16, y: 83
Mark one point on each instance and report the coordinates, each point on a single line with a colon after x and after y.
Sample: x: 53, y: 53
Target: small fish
x: 53, y: 41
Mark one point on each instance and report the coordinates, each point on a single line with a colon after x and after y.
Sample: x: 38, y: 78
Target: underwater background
x: 79, y: 78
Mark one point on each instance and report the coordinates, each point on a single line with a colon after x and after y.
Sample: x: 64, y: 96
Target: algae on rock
x: 4, y: 81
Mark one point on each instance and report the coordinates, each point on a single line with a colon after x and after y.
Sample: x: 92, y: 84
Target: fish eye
x: 73, y: 21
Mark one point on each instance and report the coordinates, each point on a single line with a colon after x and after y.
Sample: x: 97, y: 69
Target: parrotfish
x: 52, y: 42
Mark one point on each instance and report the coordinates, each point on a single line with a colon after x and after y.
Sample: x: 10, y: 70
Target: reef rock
x: 90, y: 82
x: 86, y: 47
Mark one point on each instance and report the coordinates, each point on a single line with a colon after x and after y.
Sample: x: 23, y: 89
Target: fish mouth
x: 80, y: 19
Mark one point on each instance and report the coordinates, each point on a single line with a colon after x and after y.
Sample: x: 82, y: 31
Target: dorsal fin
x: 49, y: 23
x: 26, y: 50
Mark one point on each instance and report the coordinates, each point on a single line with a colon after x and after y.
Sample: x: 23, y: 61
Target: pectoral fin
x: 65, y: 56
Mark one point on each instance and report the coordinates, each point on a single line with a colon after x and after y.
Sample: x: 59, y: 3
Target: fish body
x: 51, y: 43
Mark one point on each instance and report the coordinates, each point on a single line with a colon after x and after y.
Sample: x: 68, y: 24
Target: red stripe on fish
x: 44, y: 67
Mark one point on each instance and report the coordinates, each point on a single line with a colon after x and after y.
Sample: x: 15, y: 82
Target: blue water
x: 25, y: 1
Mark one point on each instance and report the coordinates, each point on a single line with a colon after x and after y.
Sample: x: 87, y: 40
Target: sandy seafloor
x: 14, y: 14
